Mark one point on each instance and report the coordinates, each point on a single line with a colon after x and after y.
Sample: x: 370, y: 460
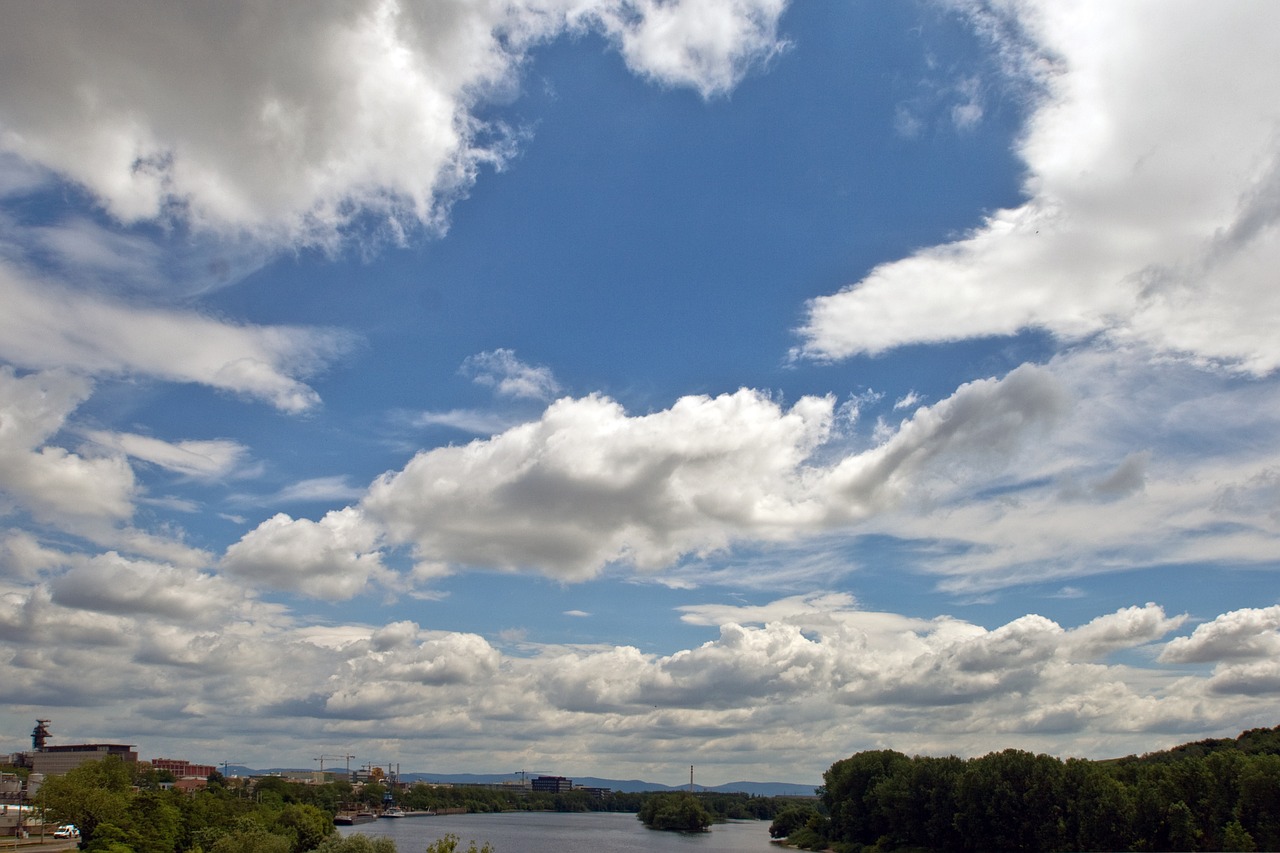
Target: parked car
x: 68, y: 830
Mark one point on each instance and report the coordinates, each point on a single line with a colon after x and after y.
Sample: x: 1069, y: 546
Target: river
x: 557, y: 832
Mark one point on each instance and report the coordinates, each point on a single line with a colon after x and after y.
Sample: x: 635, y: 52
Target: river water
x: 556, y: 832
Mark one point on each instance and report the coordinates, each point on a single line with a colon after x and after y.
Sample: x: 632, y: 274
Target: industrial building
x: 552, y: 784
x: 56, y: 760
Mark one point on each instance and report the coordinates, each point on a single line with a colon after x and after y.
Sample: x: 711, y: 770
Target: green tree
x: 791, y: 819
x: 249, y: 836
x: 90, y: 795
x: 307, y: 825
x: 108, y: 838
x: 1012, y: 800
x: 1183, y: 833
x: 154, y: 822
x: 1236, y: 837
x: 915, y: 806
x: 675, y: 812
x: 371, y: 794
x: 855, y: 815
x: 1259, y: 804
x: 1099, y: 808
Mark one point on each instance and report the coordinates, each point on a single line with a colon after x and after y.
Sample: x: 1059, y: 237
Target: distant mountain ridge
x: 758, y: 789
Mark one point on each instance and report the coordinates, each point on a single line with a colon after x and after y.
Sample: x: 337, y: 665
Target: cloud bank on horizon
x: 938, y: 523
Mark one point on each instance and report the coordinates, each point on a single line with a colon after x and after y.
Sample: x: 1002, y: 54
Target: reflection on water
x: 553, y: 832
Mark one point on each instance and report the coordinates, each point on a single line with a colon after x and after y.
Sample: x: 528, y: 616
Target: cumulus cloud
x: 331, y: 558
x: 110, y: 583
x: 588, y: 485
x: 1247, y: 634
x: 509, y: 376
x: 1151, y: 220
x: 291, y: 126
x: 1123, y: 629
x: 618, y: 710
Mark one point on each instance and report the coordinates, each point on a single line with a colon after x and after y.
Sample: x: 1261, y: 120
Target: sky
x: 603, y: 387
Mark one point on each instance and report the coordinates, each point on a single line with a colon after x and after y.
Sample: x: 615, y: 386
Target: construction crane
x: 346, y: 757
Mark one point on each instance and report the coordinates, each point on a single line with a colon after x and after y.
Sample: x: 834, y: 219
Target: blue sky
x: 612, y: 385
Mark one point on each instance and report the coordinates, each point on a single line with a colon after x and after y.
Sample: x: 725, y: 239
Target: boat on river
x: 353, y: 818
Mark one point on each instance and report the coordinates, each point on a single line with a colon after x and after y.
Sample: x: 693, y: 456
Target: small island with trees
x: 675, y: 812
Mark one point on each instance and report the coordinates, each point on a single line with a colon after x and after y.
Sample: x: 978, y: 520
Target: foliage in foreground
x: 120, y: 808
x: 1213, y: 795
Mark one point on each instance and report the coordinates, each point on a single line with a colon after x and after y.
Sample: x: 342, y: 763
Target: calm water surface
x: 553, y: 832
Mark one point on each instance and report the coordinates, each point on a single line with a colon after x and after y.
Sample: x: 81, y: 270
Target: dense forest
x: 1221, y: 794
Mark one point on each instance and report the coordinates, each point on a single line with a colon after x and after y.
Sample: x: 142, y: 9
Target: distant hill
x: 760, y: 789
x: 630, y: 786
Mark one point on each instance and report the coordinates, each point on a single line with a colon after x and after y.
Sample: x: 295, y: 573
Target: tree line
x: 123, y: 807
x: 1221, y: 794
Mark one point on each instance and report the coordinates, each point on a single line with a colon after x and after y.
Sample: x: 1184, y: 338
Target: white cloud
x: 46, y: 326
x: 509, y: 376
x: 1151, y: 217
x: 109, y: 583
x: 292, y: 125
x: 1247, y: 634
x: 1123, y: 629
x: 587, y: 485
x: 23, y: 557
x: 962, y: 438
x: 209, y: 460
x: 467, y: 420
x: 314, y: 489
x: 142, y: 646
x: 1081, y: 500
x: 332, y: 558
x: 911, y: 400
x: 782, y: 610
x: 51, y: 483
x: 705, y: 45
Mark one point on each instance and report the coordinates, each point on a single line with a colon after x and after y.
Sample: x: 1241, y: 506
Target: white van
x: 67, y: 830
